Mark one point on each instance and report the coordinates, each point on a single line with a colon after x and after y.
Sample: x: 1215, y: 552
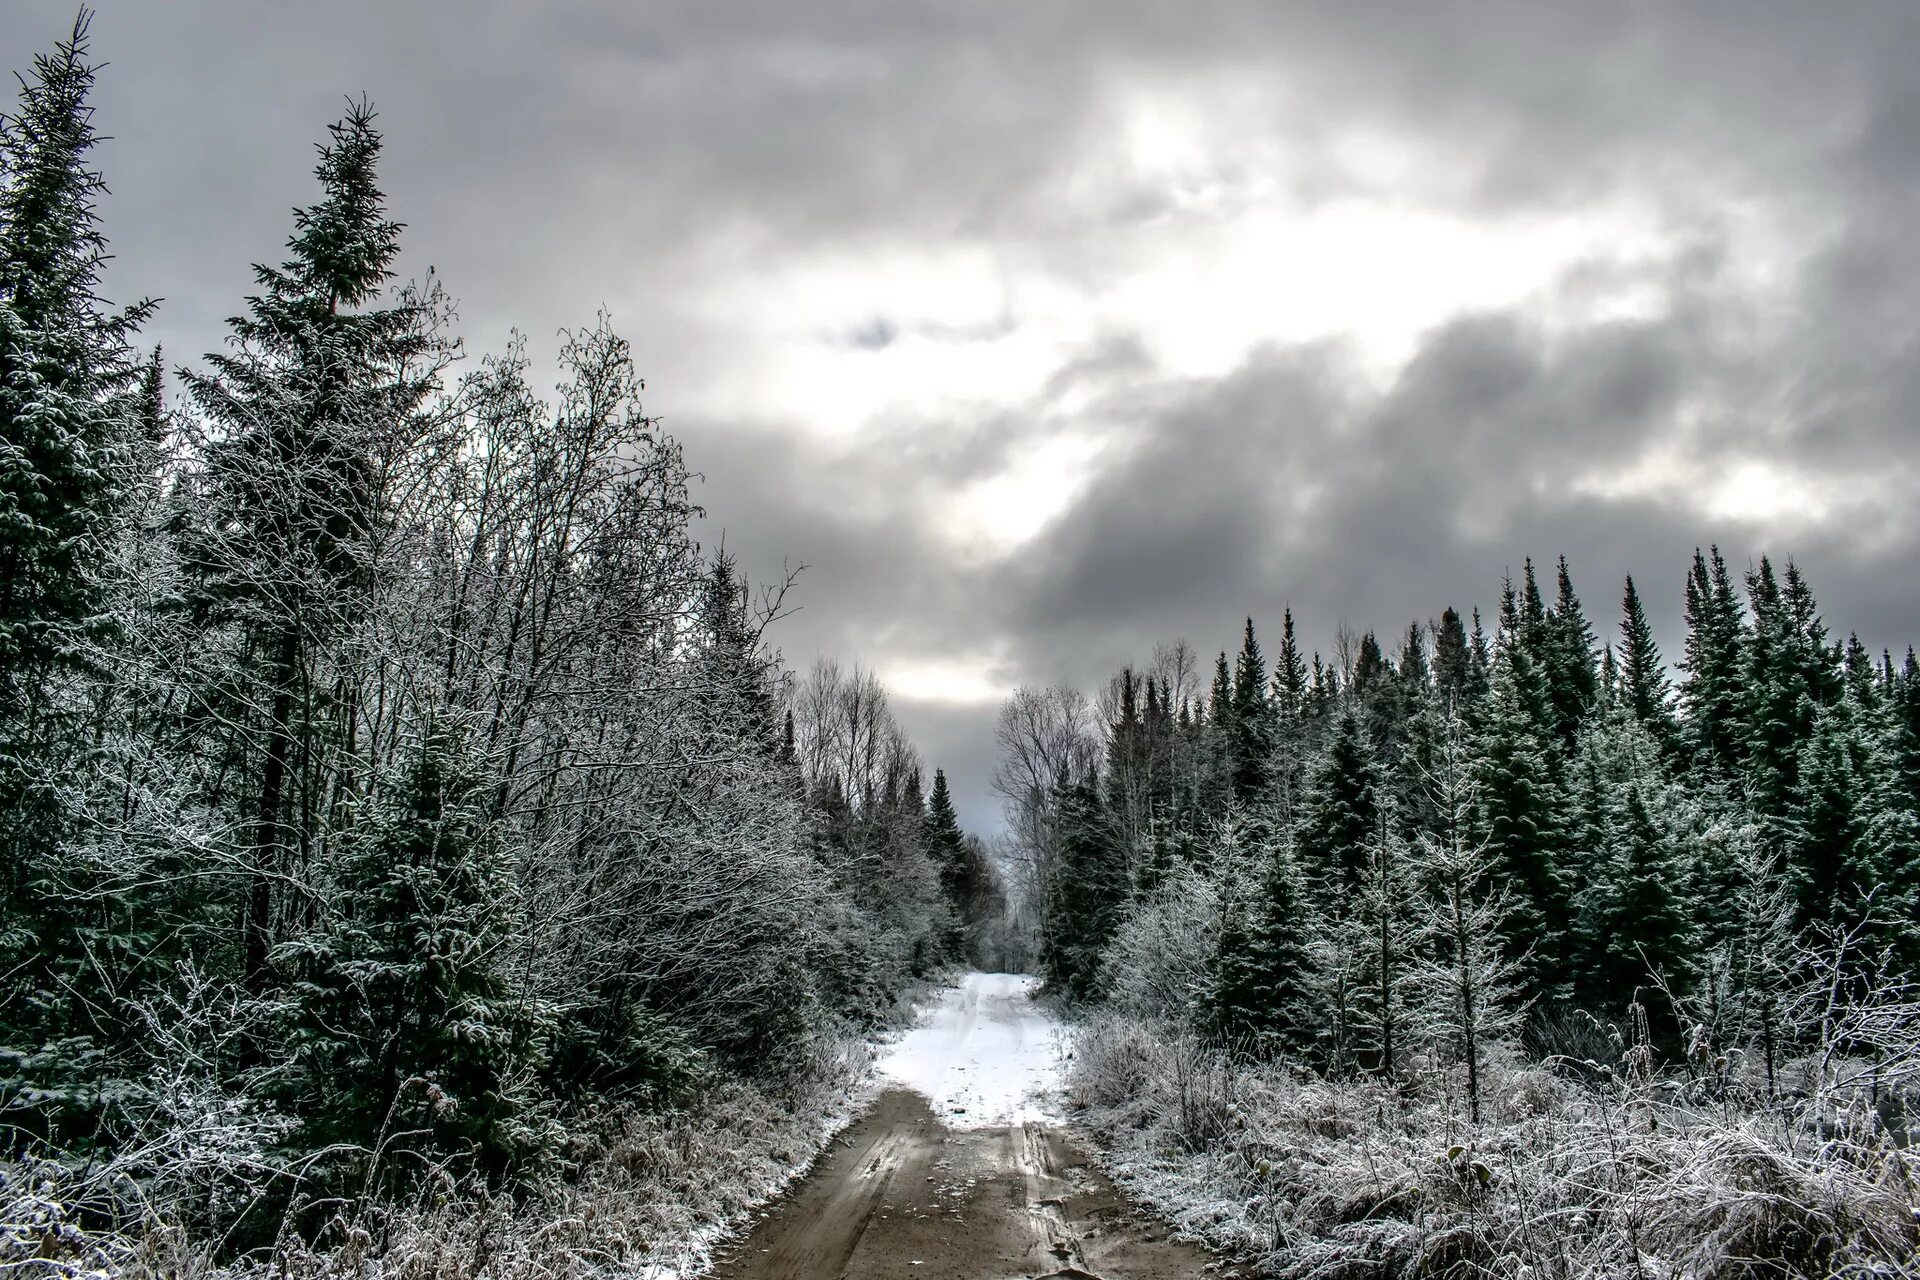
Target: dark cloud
x: 1751, y: 165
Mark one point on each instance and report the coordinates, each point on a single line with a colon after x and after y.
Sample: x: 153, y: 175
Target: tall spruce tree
x: 317, y: 380
x: 1259, y: 993
x: 1251, y: 736
x: 1450, y: 655
x: 1341, y: 813
x: 1479, y: 677
x: 1086, y: 896
x: 1526, y: 622
x: 1573, y: 679
x: 1712, y: 694
x: 1289, y: 701
x: 1634, y: 928
x: 1829, y: 817
x: 1644, y: 687
x: 959, y: 876
x: 1128, y: 775
x: 68, y: 410
x: 1519, y: 779
x: 66, y: 366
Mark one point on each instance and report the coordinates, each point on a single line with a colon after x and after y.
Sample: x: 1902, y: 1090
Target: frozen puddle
x: 983, y: 1056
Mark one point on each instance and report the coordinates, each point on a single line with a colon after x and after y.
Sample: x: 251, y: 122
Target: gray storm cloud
x: 787, y: 207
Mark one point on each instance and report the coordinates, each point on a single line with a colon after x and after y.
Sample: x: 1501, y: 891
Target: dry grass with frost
x: 1566, y: 1178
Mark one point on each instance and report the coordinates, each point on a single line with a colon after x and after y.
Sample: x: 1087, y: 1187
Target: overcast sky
x: 1044, y: 331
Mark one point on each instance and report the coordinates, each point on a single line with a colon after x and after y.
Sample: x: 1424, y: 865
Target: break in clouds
x: 1042, y: 333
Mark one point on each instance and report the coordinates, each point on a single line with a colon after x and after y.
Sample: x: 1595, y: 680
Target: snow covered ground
x: 958, y: 1170
x: 984, y: 1054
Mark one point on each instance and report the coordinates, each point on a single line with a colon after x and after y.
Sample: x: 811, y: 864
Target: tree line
x: 387, y: 773
x: 1393, y: 859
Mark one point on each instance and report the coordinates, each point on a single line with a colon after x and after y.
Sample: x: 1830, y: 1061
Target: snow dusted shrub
x: 1304, y: 1176
x: 1161, y: 958
x: 195, y: 1146
x: 40, y: 1235
x: 644, y: 1193
x: 1115, y: 1059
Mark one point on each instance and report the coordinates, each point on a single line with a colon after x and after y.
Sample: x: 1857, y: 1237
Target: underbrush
x: 1611, y: 1176
x: 637, y: 1194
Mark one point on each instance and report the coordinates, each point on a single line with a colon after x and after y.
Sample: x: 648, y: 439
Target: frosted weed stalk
x: 1628, y: 1175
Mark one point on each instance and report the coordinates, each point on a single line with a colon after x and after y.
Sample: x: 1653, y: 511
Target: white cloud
x: 949, y: 681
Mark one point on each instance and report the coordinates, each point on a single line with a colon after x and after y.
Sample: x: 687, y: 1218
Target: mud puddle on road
x: 902, y: 1195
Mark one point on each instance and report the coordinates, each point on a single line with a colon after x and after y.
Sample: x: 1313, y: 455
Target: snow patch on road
x: 983, y: 1054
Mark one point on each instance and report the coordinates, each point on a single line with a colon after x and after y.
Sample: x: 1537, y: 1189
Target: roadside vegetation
x: 414, y: 857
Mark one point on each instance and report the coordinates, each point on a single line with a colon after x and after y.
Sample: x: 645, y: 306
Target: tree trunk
x: 266, y: 828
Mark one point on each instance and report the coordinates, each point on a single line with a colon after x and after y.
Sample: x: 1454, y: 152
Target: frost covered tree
x: 1387, y: 938
x: 1518, y: 774
x: 1250, y: 727
x: 410, y: 1034
x: 1644, y: 686
x: 1475, y: 987
x: 66, y: 373
x: 68, y: 378
x: 319, y: 384
x: 1087, y: 893
x: 1261, y: 994
x: 1571, y: 671
x: 1712, y: 693
x: 1634, y: 928
x: 1341, y: 813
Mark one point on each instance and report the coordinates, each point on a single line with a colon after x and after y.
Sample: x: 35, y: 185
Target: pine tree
x: 1634, y: 928
x: 959, y: 876
x: 1291, y: 690
x: 1793, y: 674
x: 1712, y: 694
x: 1644, y: 687
x: 1573, y: 682
x: 735, y: 693
x: 1341, y: 813
x: 1087, y: 894
x: 1128, y: 777
x: 1831, y: 864
x: 1251, y: 736
x: 1259, y: 995
x: 1479, y: 678
x: 1526, y: 622
x: 317, y: 383
x: 1162, y: 755
x: 65, y: 366
x: 1221, y: 736
x: 409, y: 1031
x: 67, y: 414
x: 1289, y: 672
x: 1518, y: 776
x: 1450, y: 655
x: 1860, y: 676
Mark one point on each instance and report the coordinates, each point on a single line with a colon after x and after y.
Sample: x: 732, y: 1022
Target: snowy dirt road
x: 956, y: 1172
